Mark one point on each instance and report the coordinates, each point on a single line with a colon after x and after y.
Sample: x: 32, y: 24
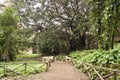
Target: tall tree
x: 105, y: 19
x: 31, y: 16
x: 8, y: 24
x: 71, y: 14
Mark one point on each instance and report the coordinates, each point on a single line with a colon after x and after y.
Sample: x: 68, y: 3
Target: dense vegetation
x: 53, y: 27
x: 86, y: 30
x: 98, y: 57
x: 8, y: 46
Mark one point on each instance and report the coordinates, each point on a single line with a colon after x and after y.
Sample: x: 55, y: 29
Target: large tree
x: 31, y: 13
x: 68, y: 15
x: 73, y: 16
x: 8, y: 25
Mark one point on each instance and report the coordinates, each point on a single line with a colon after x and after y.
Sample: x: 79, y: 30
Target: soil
x: 58, y: 71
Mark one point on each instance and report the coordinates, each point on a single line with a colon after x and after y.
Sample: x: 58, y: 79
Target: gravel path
x: 58, y: 71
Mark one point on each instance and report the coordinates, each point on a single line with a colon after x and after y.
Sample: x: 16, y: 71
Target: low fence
x: 100, y: 73
x: 48, y: 64
x: 96, y: 72
x: 7, y: 69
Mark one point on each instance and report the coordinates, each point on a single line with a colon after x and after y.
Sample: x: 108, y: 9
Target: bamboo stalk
x: 102, y: 67
x: 97, y: 72
x: 106, y: 76
x: 4, y: 67
x: 86, y: 69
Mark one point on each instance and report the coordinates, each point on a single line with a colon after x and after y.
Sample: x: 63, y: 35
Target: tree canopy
x: 58, y: 26
x: 8, y: 25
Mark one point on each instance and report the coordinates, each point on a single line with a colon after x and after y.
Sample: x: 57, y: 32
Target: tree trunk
x: 73, y: 44
x: 34, y: 49
x: 112, y: 43
x: 67, y: 46
x: 82, y: 40
x: 34, y: 45
x: 116, y: 23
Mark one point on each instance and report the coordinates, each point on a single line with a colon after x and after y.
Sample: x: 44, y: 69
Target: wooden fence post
x: 5, y: 70
x: 49, y: 62
x: 115, y: 77
x: 46, y: 65
x: 25, y: 67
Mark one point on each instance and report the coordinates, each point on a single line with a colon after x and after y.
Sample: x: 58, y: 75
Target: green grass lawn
x: 20, y: 61
x: 31, y: 68
x: 27, y: 55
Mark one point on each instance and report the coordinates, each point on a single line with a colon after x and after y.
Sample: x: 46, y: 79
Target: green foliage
x: 24, y: 38
x: 98, y: 57
x: 33, y: 67
x: 27, y: 55
x: 8, y: 25
x: 49, y: 42
x: 110, y: 59
x: 105, y: 19
x: 9, y: 17
x: 101, y: 57
x: 61, y: 57
x: 76, y: 54
x: 20, y: 61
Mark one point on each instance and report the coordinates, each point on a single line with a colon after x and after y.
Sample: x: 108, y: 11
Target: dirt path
x: 58, y: 71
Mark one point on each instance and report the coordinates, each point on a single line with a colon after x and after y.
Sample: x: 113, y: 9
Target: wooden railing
x: 6, y: 70
x: 48, y: 64
x: 114, y: 74
x: 96, y: 72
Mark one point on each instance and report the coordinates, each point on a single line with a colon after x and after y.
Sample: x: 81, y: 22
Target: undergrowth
x: 109, y: 59
x: 32, y: 67
x: 98, y: 57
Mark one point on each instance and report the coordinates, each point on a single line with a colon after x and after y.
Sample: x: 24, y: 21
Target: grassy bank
x: 97, y: 56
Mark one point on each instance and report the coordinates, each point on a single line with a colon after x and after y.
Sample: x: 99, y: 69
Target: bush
x: 49, y: 42
x: 98, y: 57
x: 61, y: 57
x: 110, y: 59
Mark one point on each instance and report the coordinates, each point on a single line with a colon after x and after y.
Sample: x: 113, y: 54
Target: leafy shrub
x: 49, y: 42
x: 61, y: 57
x: 98, y: 57
x: 110, y: 58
